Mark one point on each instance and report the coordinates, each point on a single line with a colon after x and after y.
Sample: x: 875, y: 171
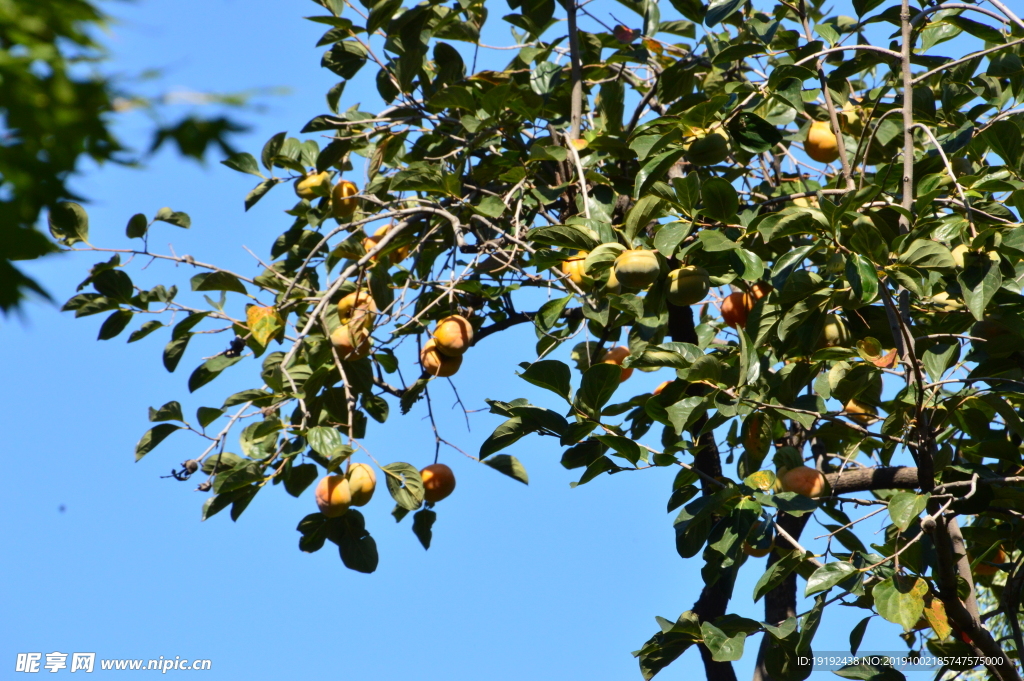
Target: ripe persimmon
x: 344, y: 201
x: 736, y: 307
x: 333, y: 495
x: 438, y: 482
x: 362, y: 481
x: 436, y: 363
x: 821, y: 144
x: 573, y: 268
x: 804, y: 480
x: 453, y: 335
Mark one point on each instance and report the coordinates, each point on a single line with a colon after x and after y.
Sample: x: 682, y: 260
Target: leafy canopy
x: 851, y: 300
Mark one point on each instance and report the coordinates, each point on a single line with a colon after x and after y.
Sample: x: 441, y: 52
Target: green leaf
x: 510, y: 466
x: 69, y: 223
x: 655, y: 170
x: 550, y: 313
x: 175, y: 218
x: 137, y: 226
x: 863, y: 278
x: 691, y: 9
x: 505, y: 435
x: 750, y: 363
x: 114, y: 284
x: 209, y: 370
x: 598, y: 385
x: 259, y: 191
x: 260, y: 398
x: 827, y: 576
x: 643, y: 211
x: 862, y: 7
x: 669, y: 237
x: 551, y: 375
x: 345, y: 58
x: 989, y: 34
x: 623, y: 446
x: 564, y: 236
x: 314, y: 532
x: 751, y: 267
x: 905, y: 507
x: 979, y: 282
x: 1005, y: 65
x: 713, y: 241
x: 753, y: 134
x: 422, y: 526
x: 182, y: 328
x: 857, y: 634
x: 376, y: 406
x: 723, y: 648
x: 173, y: 352
x: 243, y: 162
x: 869, y: 672
x: 357, y: 548
x: 217, y: 281
x: 684, y: 412
x: 1009, y: 414
x: 169, y: 412
x: 720, y: 199
x: 719, y: 10
x: 412, y: 395
x: 219, y: 502
x: 115, y: 324
x: 300, y: 477
x: 323, y: 440
x: 207, y: 415
x: 687, y: 192
x: 794, y: 504
x: 900, y: 600
x: 152, y: 438
x: 777, y: 573
x: 736, y: 53
x: 940, y: 357
x: 602, y: 258
x: 404, y: 484
x: 271, y: 149
x: 144, y: 330
x: 927, y: 254
x: 381, y: 14
x: 1005, y: 139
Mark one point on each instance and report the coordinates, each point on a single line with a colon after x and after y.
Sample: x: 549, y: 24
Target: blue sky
x: 521, y: 582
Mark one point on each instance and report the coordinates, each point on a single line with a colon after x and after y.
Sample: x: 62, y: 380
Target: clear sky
x: 103, y: 555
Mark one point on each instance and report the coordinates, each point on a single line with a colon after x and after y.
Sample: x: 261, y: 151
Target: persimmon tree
x: 815, y: 232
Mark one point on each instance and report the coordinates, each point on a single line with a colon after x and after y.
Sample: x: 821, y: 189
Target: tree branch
x: 952, y: 566
x: 576, y: 104
x: 714, y: 599
x: 908, y: 114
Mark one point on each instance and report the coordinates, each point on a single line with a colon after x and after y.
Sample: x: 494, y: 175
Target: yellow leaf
x: 935, y: 613
x: 264, y: 323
